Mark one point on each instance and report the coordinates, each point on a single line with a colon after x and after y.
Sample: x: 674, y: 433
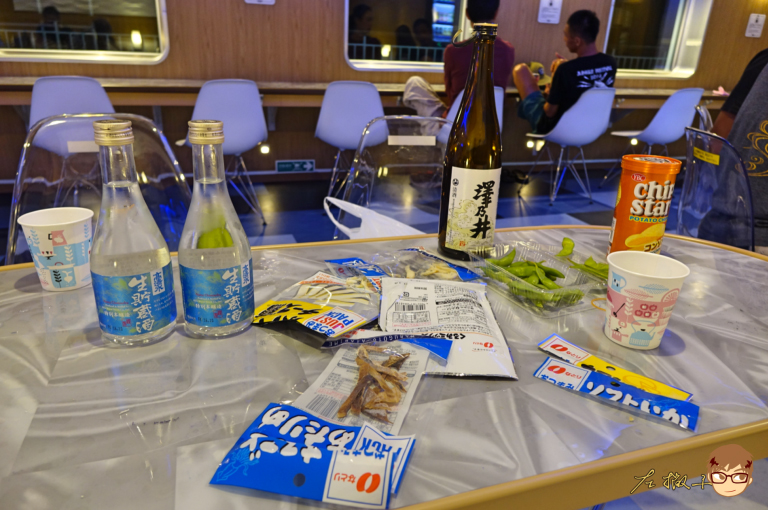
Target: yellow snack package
x: 565, y: 350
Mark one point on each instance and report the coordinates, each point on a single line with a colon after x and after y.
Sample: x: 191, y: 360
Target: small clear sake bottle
x: 214, y: 254
x: 130, y: 261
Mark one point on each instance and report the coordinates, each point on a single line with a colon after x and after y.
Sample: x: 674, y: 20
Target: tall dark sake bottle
x: 472, y: 168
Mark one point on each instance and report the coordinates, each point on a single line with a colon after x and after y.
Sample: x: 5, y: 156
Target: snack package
x: 368, y: 384
x: 289, y: 451
x: 440, y: 347
x: 458, y: 311
x: 323, y: 303
x: 357, y: 272
x: 566, y: 351
x: 418, y: 263
x: 607, y: 390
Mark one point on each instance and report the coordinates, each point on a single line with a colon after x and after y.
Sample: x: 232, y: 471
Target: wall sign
x: 755, y: 26
x: 549, y: 11
x: 261, y: 2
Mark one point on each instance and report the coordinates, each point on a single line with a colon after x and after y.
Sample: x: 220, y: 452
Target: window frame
x: 399, y: 65
x: 689, y: 33
x: 97, y: 57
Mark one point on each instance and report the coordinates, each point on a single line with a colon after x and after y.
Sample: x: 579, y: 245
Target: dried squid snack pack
x: 323, y: 303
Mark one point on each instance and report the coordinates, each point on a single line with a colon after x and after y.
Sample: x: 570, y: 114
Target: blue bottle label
x: 217, y: 297
x: 137, y: 304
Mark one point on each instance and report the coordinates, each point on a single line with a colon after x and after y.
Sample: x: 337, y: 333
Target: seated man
x: 748, y: 135
x: 570, y: 78
x: 732, y: 105
x: 419, y: 94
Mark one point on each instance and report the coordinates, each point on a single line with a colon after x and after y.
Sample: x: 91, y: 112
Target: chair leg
x: 247, y: 193
x: 586, y: 174
x: 558, y: 177
x: 62, y: 178
x: 615, y: 169
x: 334, y: 173
x: 534, y: 166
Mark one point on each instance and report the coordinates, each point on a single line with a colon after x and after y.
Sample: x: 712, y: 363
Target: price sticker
x: 359, y: 477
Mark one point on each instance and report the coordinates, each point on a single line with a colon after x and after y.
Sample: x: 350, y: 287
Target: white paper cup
x: 642, y: 291
x: 60, y: 243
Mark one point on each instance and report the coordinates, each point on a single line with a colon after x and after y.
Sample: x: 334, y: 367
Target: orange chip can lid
x: 647, y: 163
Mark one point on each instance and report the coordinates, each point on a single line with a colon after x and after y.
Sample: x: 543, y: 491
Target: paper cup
x: 60, y: 243
x: 642, y: 291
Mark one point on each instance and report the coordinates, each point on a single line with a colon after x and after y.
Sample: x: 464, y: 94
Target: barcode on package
x: 410, y: 307
x: 410, y: 317
x: 324, y: 406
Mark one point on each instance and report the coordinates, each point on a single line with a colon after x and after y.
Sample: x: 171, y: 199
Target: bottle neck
x: 117, y: 164
x: 481, y: 71
x: 208, y: 163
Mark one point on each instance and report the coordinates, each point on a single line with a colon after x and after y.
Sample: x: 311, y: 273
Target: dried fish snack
x: 323, y: 303
x: 367, y: 384
x: 418, y: 263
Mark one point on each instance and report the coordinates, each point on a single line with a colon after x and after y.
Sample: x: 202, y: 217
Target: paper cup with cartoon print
x: 642, y: 291
x: 60, y: 243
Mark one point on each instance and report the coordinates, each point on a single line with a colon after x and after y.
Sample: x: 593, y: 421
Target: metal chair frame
x: 557, y: 172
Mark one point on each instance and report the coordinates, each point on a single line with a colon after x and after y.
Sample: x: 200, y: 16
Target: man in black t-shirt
x: 732, y: 105
x: 570, y: 78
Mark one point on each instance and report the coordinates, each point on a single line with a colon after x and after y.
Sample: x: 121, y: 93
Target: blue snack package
x: 355, y: 267
x: 289, y: 451
x: 610, y: 391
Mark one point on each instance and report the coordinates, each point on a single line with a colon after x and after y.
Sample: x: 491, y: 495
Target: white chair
x: 667, y: 126
x: 348, y: 107
x: 236, y: 103
x: 59, y: 95
x: 67, y: 95
x: 498, y: 93
x: 582, y: 124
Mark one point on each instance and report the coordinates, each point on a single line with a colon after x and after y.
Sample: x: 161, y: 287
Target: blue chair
x: 59, y: 172
x: 236, y: 103
x: 716, y: 201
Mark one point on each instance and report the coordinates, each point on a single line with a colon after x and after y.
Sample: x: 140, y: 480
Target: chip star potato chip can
x: 642, y: 204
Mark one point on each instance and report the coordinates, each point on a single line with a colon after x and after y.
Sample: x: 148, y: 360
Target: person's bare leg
x: 524, y: 80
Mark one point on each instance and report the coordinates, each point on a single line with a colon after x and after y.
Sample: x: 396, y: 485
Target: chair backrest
x: 716, y: 201
x: 236, y: 103
x: 498, y: 93
x: 72, y: 176
x: 705, y: 119
x: 397, y: 170
x: 676, y: 114
x: 348, y: 106
x: 586, y: 120
x: 57, y: 95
